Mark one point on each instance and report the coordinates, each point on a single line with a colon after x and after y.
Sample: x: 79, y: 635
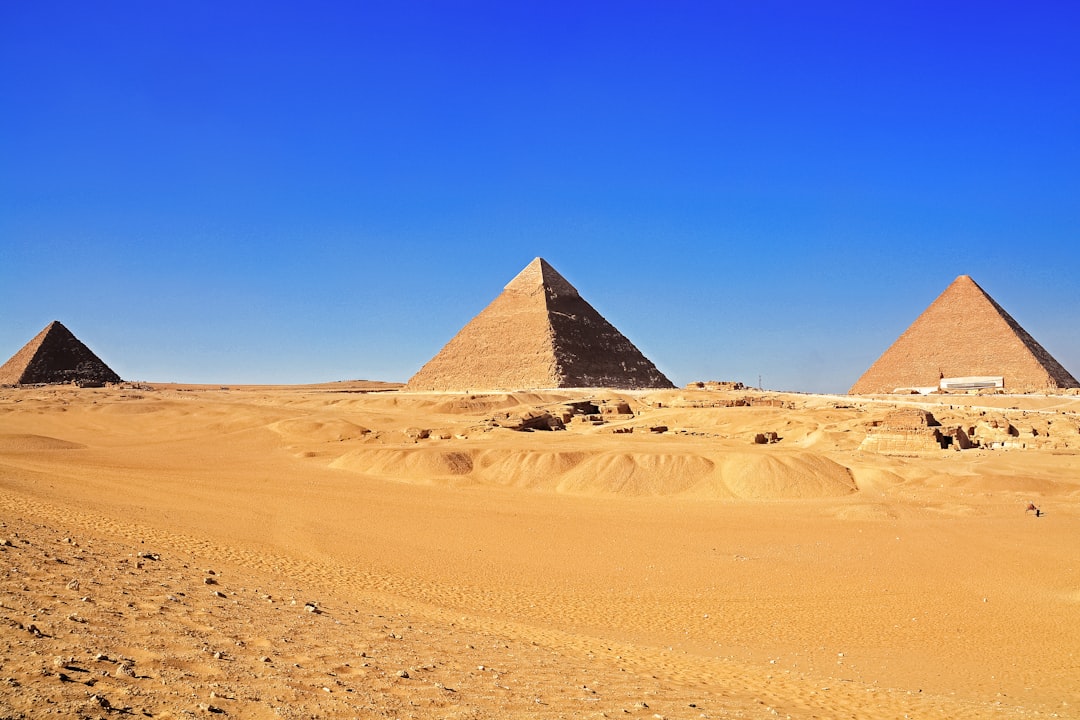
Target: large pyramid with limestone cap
x: 538, y: 333
x: 965, y: 340
x: 55, y: 356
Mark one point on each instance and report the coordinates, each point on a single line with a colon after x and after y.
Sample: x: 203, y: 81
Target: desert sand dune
x: 583, y: 572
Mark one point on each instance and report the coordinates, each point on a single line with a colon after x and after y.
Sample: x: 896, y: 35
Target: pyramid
x: 965, y: 335
x: 55, y: 356
x: 538, y: 333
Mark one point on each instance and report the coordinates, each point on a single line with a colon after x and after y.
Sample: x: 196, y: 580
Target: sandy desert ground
x: 348, y: 550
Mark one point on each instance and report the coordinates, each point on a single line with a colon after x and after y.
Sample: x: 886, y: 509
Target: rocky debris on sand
x: 528, y: 420
x: 416, y: 434
x: 715, y: 385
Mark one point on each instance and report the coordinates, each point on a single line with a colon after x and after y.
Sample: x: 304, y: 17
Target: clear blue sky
x: 270, y: 192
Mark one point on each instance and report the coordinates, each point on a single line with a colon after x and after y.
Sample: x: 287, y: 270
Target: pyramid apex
x: 537, y: 275
x: 965, y: 283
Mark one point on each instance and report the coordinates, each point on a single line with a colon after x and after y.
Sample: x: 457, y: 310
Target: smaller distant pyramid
x: 56, y: 356
x: 538, y: 333
x: 965, y: 340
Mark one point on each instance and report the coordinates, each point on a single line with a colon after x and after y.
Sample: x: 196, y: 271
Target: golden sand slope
x: 683, y: 574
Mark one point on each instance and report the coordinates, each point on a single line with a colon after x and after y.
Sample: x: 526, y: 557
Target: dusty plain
x: 349, y: 550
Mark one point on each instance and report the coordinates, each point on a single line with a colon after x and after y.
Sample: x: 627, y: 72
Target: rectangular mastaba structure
x: 55, y: 355
x: 965, y: 333
x: 538, y: 333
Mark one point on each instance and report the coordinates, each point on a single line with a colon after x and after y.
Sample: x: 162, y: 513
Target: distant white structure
x: 972, y: 383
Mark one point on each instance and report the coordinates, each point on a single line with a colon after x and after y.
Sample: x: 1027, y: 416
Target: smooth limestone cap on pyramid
x: 538, y: 333
x: 55, y: 356
x: 964, y: 333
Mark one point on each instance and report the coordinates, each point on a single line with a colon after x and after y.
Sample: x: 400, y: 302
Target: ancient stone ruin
x: 912, y: 431
x: 528, y: 420
x: 964, y: 342
x: 538, y: 333
x: 55, y: 355
x: 715, y: 385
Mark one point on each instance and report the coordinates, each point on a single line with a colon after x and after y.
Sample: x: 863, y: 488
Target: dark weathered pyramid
x: 965, y: 334
x: 55, y: 356
x: 538, y: 333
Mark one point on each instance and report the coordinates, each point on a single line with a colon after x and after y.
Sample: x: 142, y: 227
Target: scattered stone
x: 715, y: 385
x: 416, y: 434
x: 527, y: 420
x: 403, y: 674
x: 73, y: 585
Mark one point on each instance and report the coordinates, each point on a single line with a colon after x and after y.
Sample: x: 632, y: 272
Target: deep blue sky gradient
x: 271, y: 192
